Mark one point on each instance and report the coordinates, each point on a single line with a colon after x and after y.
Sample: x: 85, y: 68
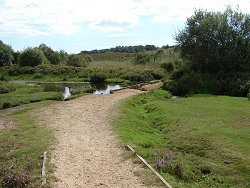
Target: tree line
x: 42, y: 54
x: 126, y: 49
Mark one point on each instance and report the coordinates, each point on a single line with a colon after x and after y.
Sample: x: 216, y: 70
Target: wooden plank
x: 150, y: 167
x: 44, y: 169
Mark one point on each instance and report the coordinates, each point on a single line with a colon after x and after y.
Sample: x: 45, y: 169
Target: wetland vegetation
x: 198, y: 139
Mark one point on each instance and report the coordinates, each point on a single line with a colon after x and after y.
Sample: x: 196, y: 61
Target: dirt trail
x: 87, y: 153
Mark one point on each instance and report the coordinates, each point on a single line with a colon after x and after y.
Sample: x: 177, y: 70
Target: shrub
x: 157, y: 74
x: 98, y: 77
x: 65, y: 78
x: 4, y: 77
x: 6, y: 88
x: 15, y: 70
x: 142, y: 58
x: 88, y: 58
x: 6, y: 104
x: 169, y: 85
x: 168, y: 66
x: 178, y: 170
x: 38, y: 75
x: 248, y: 95
x: 77, y: 61
x: 83, y: 75
x: 32, y: 57
x: 216, y: 41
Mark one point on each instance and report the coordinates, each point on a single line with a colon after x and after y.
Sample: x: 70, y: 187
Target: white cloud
x: 119, y: 35
x: 44, y: 17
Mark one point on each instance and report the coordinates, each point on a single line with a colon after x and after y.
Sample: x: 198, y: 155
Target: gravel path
x: 87, y: 152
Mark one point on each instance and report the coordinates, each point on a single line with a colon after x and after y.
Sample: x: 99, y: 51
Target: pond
x: 99, y: 88
x: 103, y: 88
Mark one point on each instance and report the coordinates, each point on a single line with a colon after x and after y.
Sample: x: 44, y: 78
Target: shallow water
x: 105, y: 89
x: 66, y: 93
x: 100, y: 88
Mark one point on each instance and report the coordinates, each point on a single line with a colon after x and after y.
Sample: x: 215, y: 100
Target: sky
x: 76, y: 25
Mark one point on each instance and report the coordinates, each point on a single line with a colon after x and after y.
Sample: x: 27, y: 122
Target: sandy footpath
x: 87, y: 153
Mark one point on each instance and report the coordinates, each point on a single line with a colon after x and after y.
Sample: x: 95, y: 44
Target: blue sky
x: 78, y: 25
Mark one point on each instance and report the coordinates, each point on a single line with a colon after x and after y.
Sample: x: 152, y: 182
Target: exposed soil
x: 87, y: 152
x: 148, y: 87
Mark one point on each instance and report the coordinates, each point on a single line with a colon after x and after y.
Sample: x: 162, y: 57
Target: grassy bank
x: 13, y: 94
x: 200, y: 141
x: 22, y: 145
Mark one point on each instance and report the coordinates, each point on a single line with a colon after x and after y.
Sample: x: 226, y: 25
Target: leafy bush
x: 83, y: 75
x: 6, y: 104
x: 168, y: 66
x: 169, y: 85
x: 142, y: 58
x: 4, y: 77
x: 216, y: 47
x: 216, y: 41
x: 38, y: 75
x: 248, y: 95
x: 194, y: 82
x: 157, y: 74
x: 6, y: 88
x: 98, y: 77
x: 77, y: 61
x: 88, y: 58
x: 32, y: 57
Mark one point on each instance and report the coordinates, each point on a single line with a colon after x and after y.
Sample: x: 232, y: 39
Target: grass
x: 24, y: 94
x: 22, y: 146
x: 207, y: 136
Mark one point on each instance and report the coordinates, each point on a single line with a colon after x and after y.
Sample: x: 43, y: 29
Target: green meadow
x: 198, y: 141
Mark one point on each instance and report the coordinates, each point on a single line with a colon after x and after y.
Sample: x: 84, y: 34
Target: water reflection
x: 102, y: 88
x: 66, y: 93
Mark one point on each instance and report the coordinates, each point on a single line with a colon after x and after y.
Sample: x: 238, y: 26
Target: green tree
x: 32, y: 57
x: 217, y: 41
x: 217, y: 47
x: 6, y: 54
x: 53, y: 56
x: 64, y: 56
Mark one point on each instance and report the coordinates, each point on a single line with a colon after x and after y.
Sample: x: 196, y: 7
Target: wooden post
x: 44, y: 169
x: 150, y: 167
